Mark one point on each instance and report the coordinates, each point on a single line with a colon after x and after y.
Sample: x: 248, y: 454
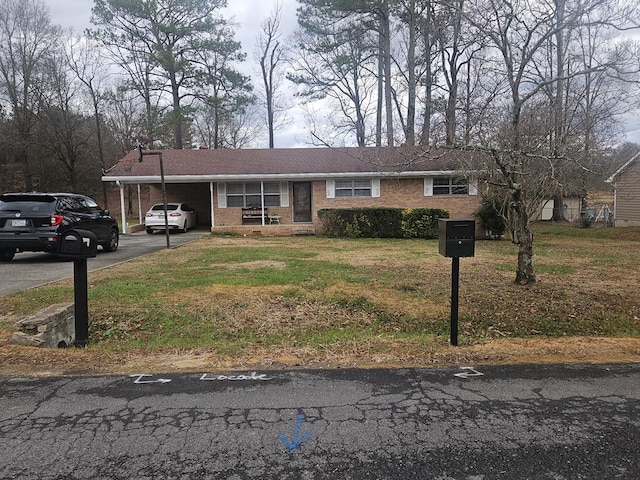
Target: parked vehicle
x: 35, y: 222
x: 180, y: 216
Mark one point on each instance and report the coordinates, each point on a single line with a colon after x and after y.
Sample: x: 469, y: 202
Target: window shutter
x: 473, y: 186
x: 428, y: 187
x: 331, y: 189
x: 284, y: 194
x: 375, y: 187
x: 222, y: 194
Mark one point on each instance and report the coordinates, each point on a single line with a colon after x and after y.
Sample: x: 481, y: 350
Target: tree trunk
x: 96, y: 113
x: 360, y: 123
x: 425, y: 135
x: 388, y: 106
x: 525, y: 273
x: 558, y: 209
x: 410, y: 132
x: 380, y: 93
x: 559, y: 117
x: 452, y: 79
x: 177, y: 113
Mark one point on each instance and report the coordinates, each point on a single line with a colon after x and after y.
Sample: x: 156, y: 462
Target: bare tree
x: 85, y: 60
x: 125, y: 116
x: 522, y: 36
x: 271, y: 55
x: 335, y: 63
x: 66, y: 131
x: 415, y: 67
x: 27, y: 37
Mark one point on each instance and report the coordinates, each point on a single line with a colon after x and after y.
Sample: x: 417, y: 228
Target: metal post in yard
x: 455, y: 282
x: 141, y: 154
x: 80, y: 297
x: 164, y: 200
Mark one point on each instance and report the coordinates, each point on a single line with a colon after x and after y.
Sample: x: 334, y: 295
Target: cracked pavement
x: 518, y: 422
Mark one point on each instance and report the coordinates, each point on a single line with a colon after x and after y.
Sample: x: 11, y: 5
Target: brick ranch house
x: 626, y: 203
x: 287, y: 186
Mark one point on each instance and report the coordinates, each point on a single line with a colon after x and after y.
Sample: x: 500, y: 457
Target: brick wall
x: 397, y: 193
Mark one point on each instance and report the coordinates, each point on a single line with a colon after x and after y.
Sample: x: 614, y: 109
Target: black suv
x: 35, y: 222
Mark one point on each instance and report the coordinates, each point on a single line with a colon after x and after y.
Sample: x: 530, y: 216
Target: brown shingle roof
x: 320, y: 162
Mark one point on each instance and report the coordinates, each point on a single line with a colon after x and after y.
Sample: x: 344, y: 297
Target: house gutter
x: 275, y: 176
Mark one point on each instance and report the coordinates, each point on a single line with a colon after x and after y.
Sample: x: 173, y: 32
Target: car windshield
x: 170, y: 206
x: 35, y: 206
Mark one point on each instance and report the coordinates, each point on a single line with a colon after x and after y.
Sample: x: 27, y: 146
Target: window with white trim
x: 353, y: 188
x: 450, y: 186
x: 250, y: 194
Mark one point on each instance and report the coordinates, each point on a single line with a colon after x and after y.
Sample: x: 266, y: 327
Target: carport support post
x: 80, y: 295
x: 455, y: 282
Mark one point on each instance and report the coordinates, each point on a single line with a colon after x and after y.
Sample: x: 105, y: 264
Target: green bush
x: 490, y: 218
x: 381, y: 222
x: 421, y: 222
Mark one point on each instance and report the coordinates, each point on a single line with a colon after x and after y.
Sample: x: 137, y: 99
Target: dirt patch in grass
x: 251, y: 265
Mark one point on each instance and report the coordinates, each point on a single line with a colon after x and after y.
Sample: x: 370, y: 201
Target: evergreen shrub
x: 381, y: 222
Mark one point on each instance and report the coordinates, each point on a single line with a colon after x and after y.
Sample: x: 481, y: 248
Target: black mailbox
x: 78, y: 244
x: 456, y: 237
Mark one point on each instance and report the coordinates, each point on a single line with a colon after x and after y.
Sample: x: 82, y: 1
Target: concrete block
x: 52, y: 327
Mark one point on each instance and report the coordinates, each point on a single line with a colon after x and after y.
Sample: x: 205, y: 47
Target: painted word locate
x: 235, y: 378
x: 471, y: 372
x: 140, y: 376
x: 297, y: 439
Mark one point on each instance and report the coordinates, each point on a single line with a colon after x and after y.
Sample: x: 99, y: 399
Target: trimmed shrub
x: 421, y: 222
x: 381, y: 222
x: 490, y: 219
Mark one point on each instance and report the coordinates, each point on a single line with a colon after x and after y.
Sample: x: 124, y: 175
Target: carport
x: 193, y: 191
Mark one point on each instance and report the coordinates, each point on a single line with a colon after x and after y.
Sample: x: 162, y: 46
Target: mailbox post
x: 456, y: 238
x: 79, y: 245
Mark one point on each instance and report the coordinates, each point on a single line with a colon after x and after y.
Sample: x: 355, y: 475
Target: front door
x: 302, y: 202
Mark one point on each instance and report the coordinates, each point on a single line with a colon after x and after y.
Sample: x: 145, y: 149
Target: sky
x: 249, y: 14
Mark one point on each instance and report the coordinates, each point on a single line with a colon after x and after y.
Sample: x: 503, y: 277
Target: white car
x: 180, y: 216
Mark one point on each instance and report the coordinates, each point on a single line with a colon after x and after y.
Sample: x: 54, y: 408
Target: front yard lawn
x: 236, y: 302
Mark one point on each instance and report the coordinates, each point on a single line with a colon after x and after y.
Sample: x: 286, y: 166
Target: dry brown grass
x: 27, y: 361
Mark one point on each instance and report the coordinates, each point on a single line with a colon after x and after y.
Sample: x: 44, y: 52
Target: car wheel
x: 149, y: 231
x: 7, y: 255
x: 112, y: 242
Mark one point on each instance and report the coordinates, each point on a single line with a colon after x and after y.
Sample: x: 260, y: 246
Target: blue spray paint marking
x: 297, y: 440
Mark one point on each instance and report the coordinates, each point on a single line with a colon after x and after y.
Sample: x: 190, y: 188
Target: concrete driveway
x: 29, y: 270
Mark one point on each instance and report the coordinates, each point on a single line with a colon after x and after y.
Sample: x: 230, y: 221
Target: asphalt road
x: 29, y: 270
x: 527, y: 422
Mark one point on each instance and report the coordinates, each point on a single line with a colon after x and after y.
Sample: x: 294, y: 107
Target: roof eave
x: 613, y: 177
x: 274, y: 176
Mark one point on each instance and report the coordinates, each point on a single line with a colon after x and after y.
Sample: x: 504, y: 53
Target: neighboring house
x: 626, y: 204
x: 279, y: 191
x: 571, y: 204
